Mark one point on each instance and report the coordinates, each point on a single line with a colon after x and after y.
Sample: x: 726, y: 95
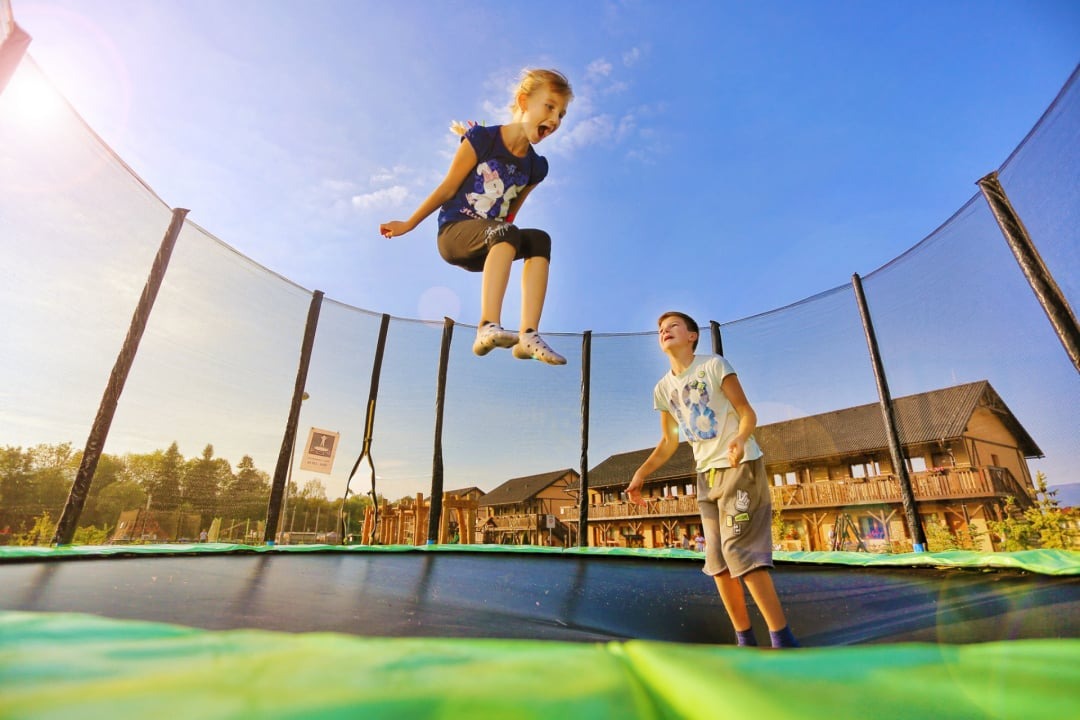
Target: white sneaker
x: 531, y: 346
x: 491, y: 336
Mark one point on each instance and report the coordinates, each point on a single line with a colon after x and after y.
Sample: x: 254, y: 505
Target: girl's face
x: 541, y: 113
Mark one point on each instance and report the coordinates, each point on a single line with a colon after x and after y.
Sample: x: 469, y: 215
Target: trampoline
x: 497, y: 631
x: 392, y: 631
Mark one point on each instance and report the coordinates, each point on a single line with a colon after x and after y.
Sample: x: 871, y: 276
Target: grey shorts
x: 736, y: 517
x: 466, y: 243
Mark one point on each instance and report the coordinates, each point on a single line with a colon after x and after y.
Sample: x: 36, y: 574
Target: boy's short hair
x: 691, y: 325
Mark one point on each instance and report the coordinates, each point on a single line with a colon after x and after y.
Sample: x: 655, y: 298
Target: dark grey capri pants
x: 466, y: 243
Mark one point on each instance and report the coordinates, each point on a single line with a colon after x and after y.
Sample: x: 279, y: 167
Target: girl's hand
x: 394, y: 228
x: 633, y: 492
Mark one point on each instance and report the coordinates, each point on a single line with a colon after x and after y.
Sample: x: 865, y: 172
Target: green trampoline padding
x: 71, y: 665
x: 1044, y: 562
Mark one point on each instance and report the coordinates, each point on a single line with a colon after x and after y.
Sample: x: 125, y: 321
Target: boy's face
x: 674, y: 334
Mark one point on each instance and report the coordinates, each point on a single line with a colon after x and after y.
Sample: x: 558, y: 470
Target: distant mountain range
x: 1068, y: 495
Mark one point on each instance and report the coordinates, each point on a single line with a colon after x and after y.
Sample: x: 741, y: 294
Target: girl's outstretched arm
x: 463, y: 163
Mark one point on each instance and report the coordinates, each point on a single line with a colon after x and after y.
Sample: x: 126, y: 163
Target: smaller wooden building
x: 529, y: 510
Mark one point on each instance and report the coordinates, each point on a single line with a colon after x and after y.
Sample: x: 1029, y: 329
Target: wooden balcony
x: 952, y: 484
x: 531, y: 521
x: 654, y: 508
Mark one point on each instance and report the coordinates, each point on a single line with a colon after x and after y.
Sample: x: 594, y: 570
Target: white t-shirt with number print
x: 707, y: 420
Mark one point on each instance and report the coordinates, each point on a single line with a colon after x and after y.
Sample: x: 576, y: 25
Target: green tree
x: 249, y: 492
x: 779, y: 527
x: 355, y: 507
x: 168, y: 479
x: 40, y: 531
x: 1043, y: 525
x: 34, y: 481
x: 118, y: 497
x: 109, y: 470
x: 16, y: 488
x: 90, y: 535
x: 204, y: 478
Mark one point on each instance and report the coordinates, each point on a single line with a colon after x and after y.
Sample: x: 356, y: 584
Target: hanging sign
x: 320, y: 450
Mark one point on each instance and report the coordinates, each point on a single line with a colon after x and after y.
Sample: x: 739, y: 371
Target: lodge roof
x: 464, y: 492
x: 926, y: 417
x: 517, y: 490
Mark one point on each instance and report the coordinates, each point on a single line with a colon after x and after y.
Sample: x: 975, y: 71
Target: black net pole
x: 99, y: 432
x: 369, y: 426
x: 583, y: 495
x: 437, y: 461
x: 888, y: 415
x: 717, y: 342
x: 1031, y: 264
x: 288, y: 442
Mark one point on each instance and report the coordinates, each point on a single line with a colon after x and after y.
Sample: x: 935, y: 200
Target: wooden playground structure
x: 406, y: 522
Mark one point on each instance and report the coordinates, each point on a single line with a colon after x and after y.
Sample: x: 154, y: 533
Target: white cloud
x: 495, y: 113
x: 589, y: 131
x: 598, y: 69
x: 393, y: 196
x: 631, y: 56
x: 627, y: 126
x: 388, y: 175
x: 336, y: 187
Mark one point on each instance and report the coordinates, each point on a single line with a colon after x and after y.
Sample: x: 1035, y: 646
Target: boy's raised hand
x: 633, y: 492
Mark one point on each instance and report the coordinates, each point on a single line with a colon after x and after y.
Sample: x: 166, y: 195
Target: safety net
x: 256, y: 412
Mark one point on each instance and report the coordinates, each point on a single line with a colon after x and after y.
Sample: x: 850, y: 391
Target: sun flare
x: 30, y: 99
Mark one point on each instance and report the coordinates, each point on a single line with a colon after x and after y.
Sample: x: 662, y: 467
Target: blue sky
x: 721, y: 158
x: 779, y: 145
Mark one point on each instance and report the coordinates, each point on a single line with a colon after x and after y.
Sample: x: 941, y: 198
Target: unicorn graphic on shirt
x: 494, y: 189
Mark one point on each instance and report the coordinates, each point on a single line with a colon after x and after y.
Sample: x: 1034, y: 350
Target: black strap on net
x: 369, y: 423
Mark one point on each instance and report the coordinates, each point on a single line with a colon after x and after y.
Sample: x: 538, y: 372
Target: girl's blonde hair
x: 533, y: 79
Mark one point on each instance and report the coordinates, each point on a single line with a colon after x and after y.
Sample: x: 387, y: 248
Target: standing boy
x: 703, y: 397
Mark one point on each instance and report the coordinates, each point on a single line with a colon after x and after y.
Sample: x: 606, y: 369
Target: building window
x: 917, y: 464
x: 777, y: 479
x: 865, y: 470
x: 791, y: 478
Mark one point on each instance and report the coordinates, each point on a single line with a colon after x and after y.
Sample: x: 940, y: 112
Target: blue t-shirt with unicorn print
x: 496, y: 180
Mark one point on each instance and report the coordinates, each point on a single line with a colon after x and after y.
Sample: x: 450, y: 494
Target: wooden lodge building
x: 530, y: 510
x: 965, y: 451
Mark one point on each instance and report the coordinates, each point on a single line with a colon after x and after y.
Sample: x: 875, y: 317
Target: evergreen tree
x: 203, y: 478
x: 166, y: 473
x: 249, y: 492
x: 1043, y: 525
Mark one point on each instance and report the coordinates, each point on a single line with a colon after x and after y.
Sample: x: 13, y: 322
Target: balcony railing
x: 947, y: 485
x: 950, y: 484
x: 514, y: 522
x: 653, y: 507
